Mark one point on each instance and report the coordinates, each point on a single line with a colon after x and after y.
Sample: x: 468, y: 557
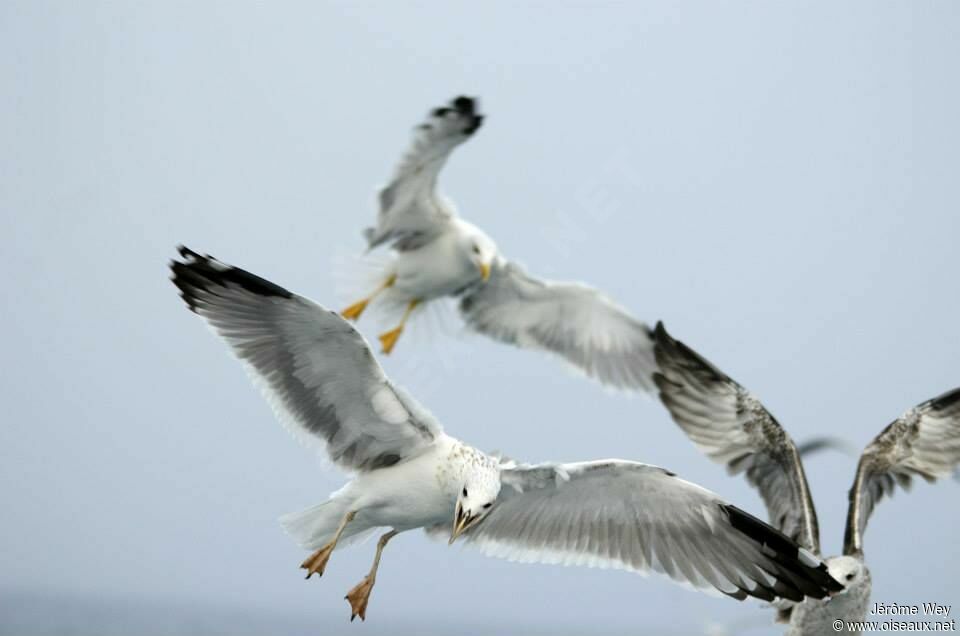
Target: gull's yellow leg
x: 389, y: 339
x: 317, y: 561
x: 360, y: 594
x: 354, y: 311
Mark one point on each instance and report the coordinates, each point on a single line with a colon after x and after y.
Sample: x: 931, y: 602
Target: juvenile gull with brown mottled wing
x: 732, y: 427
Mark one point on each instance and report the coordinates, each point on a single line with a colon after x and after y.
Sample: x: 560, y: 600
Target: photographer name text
x: 898, y: 609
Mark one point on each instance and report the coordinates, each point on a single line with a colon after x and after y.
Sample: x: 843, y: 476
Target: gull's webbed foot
x: 354, y: 311
x: 359, y: 596
x: 317, y: 561
x: 389, y: 339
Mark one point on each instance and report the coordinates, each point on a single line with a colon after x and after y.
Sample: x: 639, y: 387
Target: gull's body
x: 320, y: 377
x: 418, y: 274
x: 417, y: 493
x: 732, y: 427
x: 438, y: 254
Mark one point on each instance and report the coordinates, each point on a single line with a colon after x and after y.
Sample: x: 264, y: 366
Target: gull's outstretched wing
x: 411, y: 209
x: 638, y: 517
x: 732, y: 427
x: 923, y: 442
x: 574, y: 321
x: 316, y: 371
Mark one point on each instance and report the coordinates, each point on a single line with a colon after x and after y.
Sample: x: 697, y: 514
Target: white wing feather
x: 316, y: 371
x: 411, y: 209
x: 641, y: 518
x: 574, y: 321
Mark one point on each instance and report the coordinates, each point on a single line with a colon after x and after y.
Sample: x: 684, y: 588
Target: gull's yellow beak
x: 485, y: 271
x: 460, y: 523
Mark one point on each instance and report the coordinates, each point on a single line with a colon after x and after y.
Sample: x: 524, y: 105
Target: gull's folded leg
x: 389, y: 339
x: 354, y: 311
x: 360, y: 594
x: 317, y: 561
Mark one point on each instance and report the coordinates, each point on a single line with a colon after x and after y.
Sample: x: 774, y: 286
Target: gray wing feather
x: 923, y: 442
x: 316, y: 371
x: 571, y: 320
x: 641, y: 518
x: 732, y: 427
x: 411, y: 210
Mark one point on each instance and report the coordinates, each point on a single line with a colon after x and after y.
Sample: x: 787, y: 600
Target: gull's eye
x: 850, y: 577
x: 476, y: 249
x: 487, y: 505
x: 464, y: 492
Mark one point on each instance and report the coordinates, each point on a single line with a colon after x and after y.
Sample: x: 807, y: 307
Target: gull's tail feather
x: 313, y: 527
x: 357, y: 275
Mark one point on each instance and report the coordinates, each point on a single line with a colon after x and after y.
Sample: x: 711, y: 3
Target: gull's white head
x: 477, y: 497
x: 478, y: 247
x: 848, y: 570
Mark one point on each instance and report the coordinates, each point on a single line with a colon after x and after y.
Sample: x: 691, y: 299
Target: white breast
x: 409, y: 494
x: 437, y: 269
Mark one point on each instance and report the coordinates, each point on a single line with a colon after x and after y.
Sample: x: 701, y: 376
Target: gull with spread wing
x: 438, y: 254
x: 732, y: 427
x: 326, y: 387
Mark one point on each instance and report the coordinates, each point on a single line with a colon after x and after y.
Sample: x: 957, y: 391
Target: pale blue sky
x: 776, y: 181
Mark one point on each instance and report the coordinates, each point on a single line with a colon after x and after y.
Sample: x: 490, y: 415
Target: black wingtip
x: 799, y: 576
x: 667, y: 349
x: 663, y: 342
x: 473, y: 127
x: 660, y: 333
x: 758, y: 530
x: 465, y: 105
x: 946, y: 400
x: 186, y: 252
x: 672, y: 354
x: 198, y: 273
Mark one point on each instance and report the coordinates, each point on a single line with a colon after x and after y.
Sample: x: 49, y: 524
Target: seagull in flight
x: 326, y: 387
x: 732, y: 427
x: 439, y: 254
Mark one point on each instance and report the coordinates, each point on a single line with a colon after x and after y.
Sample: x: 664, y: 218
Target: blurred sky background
x: 776, y: 181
